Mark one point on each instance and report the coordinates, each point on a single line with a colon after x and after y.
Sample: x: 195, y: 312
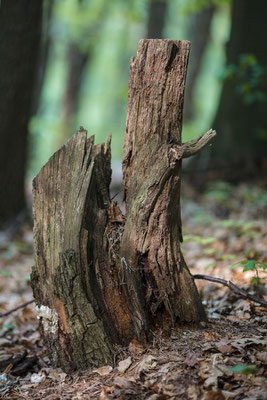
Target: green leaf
x: 7, y: 326
x: 250, y: 265
x: 4, y: 272
x: 228, y: 257
x: 244, y: 369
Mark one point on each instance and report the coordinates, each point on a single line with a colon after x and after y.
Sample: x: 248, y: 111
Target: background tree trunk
x: 77, y: 61
x: 43, y: 53
x: 240, y: 149
x: 198, y: 34
x: 19, y: 49
x: 99, y: 280
x: 156, y: 18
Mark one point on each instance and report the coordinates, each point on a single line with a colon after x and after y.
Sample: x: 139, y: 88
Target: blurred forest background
x: 65, y: 63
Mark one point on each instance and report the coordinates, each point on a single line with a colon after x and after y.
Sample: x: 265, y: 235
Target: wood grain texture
x: 72, y: 274
x: 151, y: 167
x: 101, y: 278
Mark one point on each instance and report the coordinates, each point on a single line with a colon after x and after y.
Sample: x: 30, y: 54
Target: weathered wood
x: 151, y: 167
x: 194, y: 146
x: 79, y: 305
x: 100, y: 278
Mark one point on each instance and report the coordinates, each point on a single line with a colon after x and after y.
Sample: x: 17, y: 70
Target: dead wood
x: 101, y: 278
x: 5, y: 314
x: 235, y: 289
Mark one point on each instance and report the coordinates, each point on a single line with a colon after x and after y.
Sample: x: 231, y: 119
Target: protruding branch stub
x: 194, y: 146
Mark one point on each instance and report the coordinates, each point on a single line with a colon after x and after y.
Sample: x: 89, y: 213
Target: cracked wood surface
x: 100, y: 278
x: 72, y: 273
x: 151, y: 167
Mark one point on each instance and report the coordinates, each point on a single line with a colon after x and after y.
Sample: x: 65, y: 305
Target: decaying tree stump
x: 100, y: 278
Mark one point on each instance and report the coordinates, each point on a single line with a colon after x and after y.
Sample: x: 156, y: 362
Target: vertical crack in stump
x: 72, y: 277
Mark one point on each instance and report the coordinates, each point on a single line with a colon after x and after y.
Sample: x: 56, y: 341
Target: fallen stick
x: 232, y: 287
x: 17, y: 308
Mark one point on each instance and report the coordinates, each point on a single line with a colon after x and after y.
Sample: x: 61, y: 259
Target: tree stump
x: 100, y: 278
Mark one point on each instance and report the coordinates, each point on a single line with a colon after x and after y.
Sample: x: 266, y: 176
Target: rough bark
x: 100, y: 279
x: 78, y: 293
x: 151, y: 167
x: 19, y: 48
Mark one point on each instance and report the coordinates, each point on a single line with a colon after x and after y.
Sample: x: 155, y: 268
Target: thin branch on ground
x: 17, y: 308
x: 232, y: 287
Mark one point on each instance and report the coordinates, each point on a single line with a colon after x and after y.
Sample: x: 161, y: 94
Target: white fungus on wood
x: 48, y: 318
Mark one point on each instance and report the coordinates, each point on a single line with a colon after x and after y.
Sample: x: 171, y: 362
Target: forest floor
x: 225, y: 358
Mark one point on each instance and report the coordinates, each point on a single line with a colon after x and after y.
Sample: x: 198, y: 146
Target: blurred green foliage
x: 194, y: 6
x: 109, y: 32
x: 244, y: 369
x: 199, y: 239
x: 219, y: 191
x: 249, y: 77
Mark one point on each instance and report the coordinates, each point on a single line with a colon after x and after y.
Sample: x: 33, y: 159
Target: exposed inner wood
x: 100, y: 277
x: 75, y: 282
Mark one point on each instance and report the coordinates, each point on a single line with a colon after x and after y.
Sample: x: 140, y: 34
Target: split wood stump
x: 100, y: 278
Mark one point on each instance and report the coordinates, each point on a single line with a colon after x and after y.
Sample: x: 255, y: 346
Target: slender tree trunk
x: 43, y: 53
x: 240, y: 149
x: 100, y: 279
x: 76, y: 61
x: 20, y: 23
x: 199, y: 32
x: 156, y: 18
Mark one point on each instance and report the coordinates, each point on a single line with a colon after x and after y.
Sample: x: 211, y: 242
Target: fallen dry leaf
x: 191, y: 359
x: 224, y: 347
x: 104, y: 370
x: 148, y: 362
x: 56, y: 374
x: 213, y: 395
x: 38, y: 378
x: 122, y: 382
x: 104, y: 395
x: 212, y: 381
x: 229, y: 395
x: 136, y: 348
x: 262, y: 356
x: 193, y: 392
x: 124, y: 365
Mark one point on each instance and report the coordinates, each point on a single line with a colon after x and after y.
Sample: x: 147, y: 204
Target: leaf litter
x: 223, y: 359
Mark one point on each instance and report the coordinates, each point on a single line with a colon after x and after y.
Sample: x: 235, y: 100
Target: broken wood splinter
x: 192, y: 147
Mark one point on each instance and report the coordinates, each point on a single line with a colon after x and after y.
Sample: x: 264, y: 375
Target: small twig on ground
x: 234, y: 288
x: 17, y: 308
